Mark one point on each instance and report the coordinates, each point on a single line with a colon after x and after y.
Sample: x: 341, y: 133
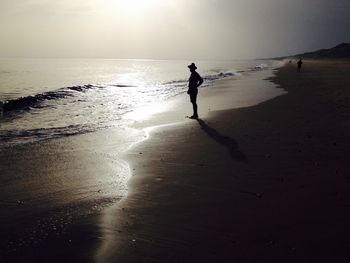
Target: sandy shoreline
x: 258, y: 184
x: 53, y: 191
x: 261, y: 183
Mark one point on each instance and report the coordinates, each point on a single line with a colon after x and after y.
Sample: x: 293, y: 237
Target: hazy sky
x: 166, y: 29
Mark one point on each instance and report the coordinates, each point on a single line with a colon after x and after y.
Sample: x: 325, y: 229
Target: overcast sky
x: 170, y: 29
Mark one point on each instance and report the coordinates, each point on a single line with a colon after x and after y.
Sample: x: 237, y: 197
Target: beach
x: 266, y: 181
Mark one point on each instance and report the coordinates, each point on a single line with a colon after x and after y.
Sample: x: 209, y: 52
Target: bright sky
x: 170, y: 29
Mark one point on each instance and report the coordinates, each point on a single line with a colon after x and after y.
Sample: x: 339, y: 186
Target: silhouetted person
x: 194, y: 82
x: 299, y: 63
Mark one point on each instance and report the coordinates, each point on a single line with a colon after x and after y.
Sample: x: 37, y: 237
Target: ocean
x: 41, y: 99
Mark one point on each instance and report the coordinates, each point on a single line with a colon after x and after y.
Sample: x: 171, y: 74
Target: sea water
x: 41, y: 99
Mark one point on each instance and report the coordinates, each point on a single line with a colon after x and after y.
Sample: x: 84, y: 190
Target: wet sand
x: 53, y: 193
x: 263, y: 183
x: 268, y: 183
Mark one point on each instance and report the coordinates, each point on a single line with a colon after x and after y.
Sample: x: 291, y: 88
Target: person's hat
x: 192, y: 66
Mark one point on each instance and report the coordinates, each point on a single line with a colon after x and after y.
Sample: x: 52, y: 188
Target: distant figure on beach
x: 300, y: 63
x: 194, y: 82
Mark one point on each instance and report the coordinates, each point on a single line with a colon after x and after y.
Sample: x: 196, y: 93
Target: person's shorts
x: 193, y: 97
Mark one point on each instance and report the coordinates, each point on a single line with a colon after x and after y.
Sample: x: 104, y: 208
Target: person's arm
x: 200, y: 81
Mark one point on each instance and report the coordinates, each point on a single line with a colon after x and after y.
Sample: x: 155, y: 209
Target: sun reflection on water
x: 145, y: 113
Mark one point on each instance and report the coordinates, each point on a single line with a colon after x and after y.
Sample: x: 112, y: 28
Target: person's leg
x: 194, y: 104
x: 195, y: 114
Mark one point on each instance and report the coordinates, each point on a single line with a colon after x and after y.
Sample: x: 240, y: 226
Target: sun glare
x: 133, y: 8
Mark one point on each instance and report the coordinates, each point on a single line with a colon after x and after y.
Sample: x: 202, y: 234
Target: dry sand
x: 268, y: 183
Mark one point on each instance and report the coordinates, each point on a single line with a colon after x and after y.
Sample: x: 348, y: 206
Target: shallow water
x: 51, y: 98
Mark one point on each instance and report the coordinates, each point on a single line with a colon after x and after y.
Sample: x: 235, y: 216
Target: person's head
x: 192, y: 67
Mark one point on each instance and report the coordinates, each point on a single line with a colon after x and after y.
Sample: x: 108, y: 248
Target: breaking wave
x: 34, y: 101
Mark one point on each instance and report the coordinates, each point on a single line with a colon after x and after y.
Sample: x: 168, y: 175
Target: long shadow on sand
x: 229, y: 143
